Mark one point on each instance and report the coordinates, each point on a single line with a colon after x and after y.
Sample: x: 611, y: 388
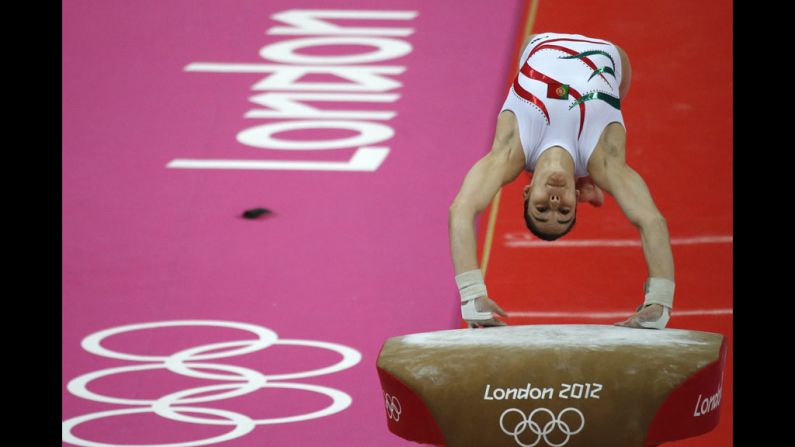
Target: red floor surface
x: 678, y: 116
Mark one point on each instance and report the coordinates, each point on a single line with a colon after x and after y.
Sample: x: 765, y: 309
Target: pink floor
x: 349, y: 259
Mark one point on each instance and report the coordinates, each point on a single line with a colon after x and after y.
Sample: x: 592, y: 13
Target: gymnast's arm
x: 480, y: 185
x: 610, y: 171
x: 500, y: 166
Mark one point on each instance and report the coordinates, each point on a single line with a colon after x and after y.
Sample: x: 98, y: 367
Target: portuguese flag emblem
x: 558, y: 91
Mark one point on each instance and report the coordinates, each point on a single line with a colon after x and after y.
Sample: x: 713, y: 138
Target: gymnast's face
x: 552, y: 202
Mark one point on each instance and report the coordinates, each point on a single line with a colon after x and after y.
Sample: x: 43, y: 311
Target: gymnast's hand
x: 587, y: 191
x: 643, y: 316
x: 486, y: 304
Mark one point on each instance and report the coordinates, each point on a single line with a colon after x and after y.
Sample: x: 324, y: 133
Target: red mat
x: 679, y: 124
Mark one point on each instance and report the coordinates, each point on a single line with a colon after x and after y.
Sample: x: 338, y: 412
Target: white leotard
x: 592, y: 70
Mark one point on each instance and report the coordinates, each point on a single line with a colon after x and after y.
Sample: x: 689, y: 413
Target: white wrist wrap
x: 470, y: 313
x: 659, y: 291
x: 471, y: 286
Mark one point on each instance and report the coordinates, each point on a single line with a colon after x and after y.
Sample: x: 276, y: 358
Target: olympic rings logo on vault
x: 393, y: 407
x: 196, y: 362
x: 555, y: 421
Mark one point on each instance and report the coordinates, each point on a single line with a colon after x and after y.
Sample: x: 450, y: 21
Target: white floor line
x: 514, y: 240
x: 618, y: 314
